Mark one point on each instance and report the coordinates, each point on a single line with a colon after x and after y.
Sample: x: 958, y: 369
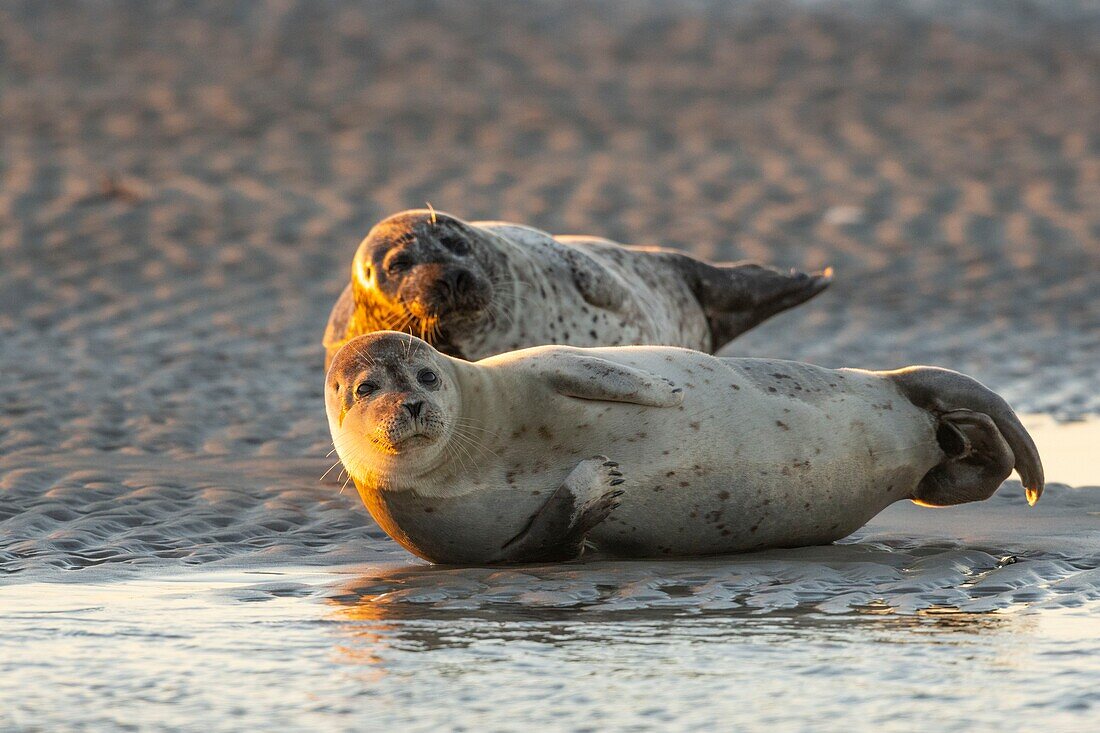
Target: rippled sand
x: 181, y: 189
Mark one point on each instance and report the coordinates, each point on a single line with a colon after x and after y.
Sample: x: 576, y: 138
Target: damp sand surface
x: 182, y: 186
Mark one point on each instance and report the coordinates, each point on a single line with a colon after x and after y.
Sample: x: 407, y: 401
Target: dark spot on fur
x: 782, y: 424
x: 723, y: 495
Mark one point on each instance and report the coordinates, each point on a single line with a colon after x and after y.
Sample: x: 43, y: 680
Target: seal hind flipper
x: 558, y: 529
x: 739, y: 296
x: 592, y: 378
x: 982, y: 438
x: 978, y: 461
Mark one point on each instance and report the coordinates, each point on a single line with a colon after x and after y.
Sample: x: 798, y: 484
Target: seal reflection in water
x: 652, y: 451
x: 483, y: 288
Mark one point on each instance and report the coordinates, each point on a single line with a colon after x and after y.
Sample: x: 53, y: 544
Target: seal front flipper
x: 558, y: 528
x: 592, y: 378
x: 739, y: 296
x: 597, y: 286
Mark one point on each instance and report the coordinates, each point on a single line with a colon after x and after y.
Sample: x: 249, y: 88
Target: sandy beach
x: 182, y: 186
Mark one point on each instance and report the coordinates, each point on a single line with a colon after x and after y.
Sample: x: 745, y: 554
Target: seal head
x: 422, y: 271
x: 390, y: 398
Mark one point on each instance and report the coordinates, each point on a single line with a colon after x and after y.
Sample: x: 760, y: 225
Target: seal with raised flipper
x: 652, y: 451
x: 483, y: 288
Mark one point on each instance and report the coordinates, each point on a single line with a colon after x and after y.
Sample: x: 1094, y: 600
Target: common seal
x: 652, y: 451
x: 483, y: 288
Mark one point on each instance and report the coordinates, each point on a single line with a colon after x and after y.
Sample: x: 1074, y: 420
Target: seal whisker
x: 487, y: 433
x: 453, y: 448
x: 326, y: 473
x: 472, y: 441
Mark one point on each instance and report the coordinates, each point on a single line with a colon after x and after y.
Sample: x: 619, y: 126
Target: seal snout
x: 452, y: 289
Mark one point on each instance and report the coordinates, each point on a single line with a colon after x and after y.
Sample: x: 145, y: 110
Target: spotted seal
x: 652, y: 451
x: 482, y: 288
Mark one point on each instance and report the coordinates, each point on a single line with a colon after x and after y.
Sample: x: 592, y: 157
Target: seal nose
x: 457, y: 282
x: 413, y: 407
x: 463, y: 282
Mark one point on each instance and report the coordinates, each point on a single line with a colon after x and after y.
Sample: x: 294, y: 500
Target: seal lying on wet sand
x: 650, y: 451
x: 483, y: 288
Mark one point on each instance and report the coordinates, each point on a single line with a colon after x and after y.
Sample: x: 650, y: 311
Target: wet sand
x: 182, y: 187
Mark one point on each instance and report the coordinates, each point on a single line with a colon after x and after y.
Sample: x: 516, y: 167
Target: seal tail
x: 981, y: 437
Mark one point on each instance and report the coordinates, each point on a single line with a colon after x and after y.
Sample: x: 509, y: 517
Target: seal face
x: 482, y: 288
x: 390, y: 403
x: 652, y: 451
x: 420, y: 273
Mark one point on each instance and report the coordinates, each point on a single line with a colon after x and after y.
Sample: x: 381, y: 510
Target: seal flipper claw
x: 557, y: 530
x: 575, y: 374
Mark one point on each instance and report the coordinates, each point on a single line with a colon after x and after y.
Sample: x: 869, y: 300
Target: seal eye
x: 456, y: 245
x: 365, y: 388
x: 428, y: 378
x: 400, y: 263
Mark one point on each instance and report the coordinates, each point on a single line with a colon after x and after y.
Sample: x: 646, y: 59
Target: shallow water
x: 959, y: 618
x: 1069, y: 449
x: 305, y: 650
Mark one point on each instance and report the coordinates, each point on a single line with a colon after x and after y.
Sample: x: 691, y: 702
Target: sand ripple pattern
x: 182, y: 186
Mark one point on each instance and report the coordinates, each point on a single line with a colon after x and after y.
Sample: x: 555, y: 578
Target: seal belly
x: 748, y: 468
x: 454, y: 530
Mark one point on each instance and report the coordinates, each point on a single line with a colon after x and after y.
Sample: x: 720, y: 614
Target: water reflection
x: 604, y: 605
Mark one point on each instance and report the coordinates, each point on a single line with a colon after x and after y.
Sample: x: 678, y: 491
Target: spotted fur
x: 577, y: 291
